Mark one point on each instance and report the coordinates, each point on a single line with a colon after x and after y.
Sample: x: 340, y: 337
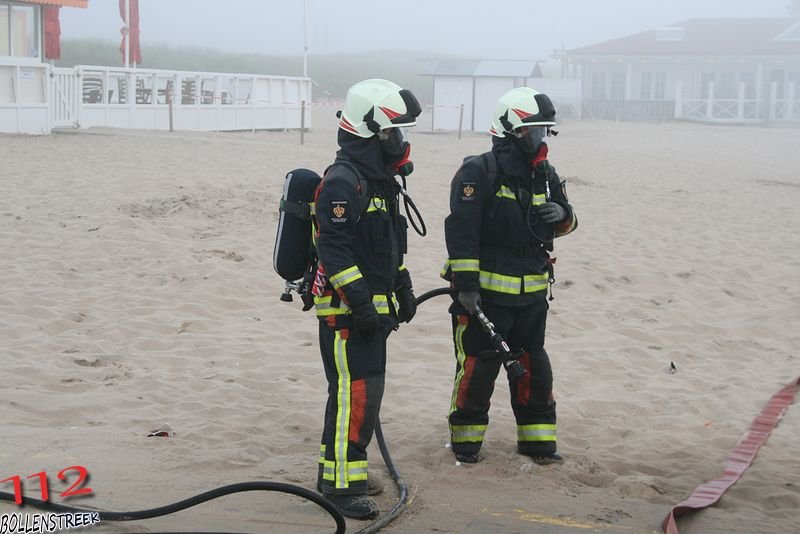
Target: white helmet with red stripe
x: 375, y: 105
x: 522, y: 106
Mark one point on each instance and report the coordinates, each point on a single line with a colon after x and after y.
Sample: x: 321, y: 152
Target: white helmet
x: 374, y: 105
x: 522, y: 106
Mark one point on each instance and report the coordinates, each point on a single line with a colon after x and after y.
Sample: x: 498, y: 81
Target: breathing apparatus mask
x: 532, y: 141
x: 396, y: 150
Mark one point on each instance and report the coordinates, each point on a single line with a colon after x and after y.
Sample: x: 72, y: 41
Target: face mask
x: 396, y: 150
x: 530, y: 139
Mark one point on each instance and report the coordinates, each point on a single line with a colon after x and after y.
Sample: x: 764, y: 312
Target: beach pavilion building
x: 37, y: 97
x: 465, y: 92
x: 23, y: 71
x: 715, y: 70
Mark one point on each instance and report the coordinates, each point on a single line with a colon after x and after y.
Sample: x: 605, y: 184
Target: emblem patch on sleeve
x: 339, y: 211
x: 468, y: 192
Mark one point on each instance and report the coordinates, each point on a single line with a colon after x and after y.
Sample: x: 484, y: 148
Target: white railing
x: 64, y: 98
x: 739, y: 109
x: 162, y: 99
x: 24, y: 103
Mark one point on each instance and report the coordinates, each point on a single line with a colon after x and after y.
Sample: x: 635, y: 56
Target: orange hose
x: 739, y: 459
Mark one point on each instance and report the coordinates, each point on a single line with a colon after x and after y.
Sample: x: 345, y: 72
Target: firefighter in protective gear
x: 362, y: 289
x: 506, y: 274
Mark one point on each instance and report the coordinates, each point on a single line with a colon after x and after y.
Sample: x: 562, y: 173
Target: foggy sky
x: 512, y: 29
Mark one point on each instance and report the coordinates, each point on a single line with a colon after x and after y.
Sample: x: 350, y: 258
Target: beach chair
x: 92, y: 90
x: 187, y: 92
x: 143, y: 95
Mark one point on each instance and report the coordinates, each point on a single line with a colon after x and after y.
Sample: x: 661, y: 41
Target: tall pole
x: 127, y: 33
x: 305, y: 39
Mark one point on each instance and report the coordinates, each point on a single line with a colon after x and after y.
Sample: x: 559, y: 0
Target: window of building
x: 617, y: 86
x: 5, y: 36
x: 727, y: 86
x: 647, y: 86
x: 599, y: 85
x: 749, y: 81
x: 660, y: 88
x: 706, y: 79
x: 19, y: 30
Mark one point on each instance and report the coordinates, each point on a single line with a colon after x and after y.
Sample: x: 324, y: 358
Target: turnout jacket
x: 495, y: 241
x: 361, y: 236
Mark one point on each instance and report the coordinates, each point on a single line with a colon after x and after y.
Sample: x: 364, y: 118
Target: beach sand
x: 138, y: 290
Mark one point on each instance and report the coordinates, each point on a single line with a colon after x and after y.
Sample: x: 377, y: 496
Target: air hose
x: 256, y: 486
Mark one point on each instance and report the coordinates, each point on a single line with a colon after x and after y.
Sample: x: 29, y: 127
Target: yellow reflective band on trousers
x: 461, y: 357
x: 513, y: 285
x: 376, y: 204
x: 324, y: 308
x: 342, y: 278
x: 536, y: 432
x: 466, y: 433
x: 340, y: 442
x: 355, y: 471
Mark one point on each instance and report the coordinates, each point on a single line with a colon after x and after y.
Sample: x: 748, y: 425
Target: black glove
x: 365, y: 319
x: 407, y: 303
x: 471, y: 300
x: 551, y: 212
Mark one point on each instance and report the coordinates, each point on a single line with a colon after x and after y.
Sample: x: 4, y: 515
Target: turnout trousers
x: 355, y: 367
x: 523, y: 328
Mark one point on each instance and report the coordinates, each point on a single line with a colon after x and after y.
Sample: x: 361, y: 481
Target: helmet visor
x: 393, y: 142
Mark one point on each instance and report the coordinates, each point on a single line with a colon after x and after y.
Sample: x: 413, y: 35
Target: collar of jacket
x: 365, y: 154
x: 510, y: 159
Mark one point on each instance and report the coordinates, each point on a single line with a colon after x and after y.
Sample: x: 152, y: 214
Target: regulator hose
x: 435, y: 293
x: 257, y: 486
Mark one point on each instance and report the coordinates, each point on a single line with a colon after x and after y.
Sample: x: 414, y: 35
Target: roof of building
x: 488, y: 68
x: 64, y: 3
x: 706, y: 37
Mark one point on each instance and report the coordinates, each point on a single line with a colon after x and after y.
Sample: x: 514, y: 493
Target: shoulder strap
x: 491, y: 167
x: 358, y: 183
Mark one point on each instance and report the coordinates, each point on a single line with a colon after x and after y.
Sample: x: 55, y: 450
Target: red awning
x: 52, y: 32
x: 132, y: 28
x: 65, y: 3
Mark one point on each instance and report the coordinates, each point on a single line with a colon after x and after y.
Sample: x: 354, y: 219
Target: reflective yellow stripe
x: 536, y: 432
x: 322, y: 453
x: 402, y: 268
x: 381, y: 303
x: 538, y: 199
x: 461, y: 357
x: 313, y: 206
x: 342, y: 278
x: 535, y: 282
x: 342, y: 410
x: 464, y: 265
x: 357, y: 470
x: 467, y: 433
x: 376, y: 204
x: 324, y: 308
x: 500, y: 283
x: 505, y: 192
